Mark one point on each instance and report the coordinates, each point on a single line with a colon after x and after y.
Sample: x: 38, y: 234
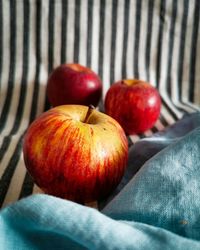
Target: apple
x: 75, y: 152
x: 73, y: 84
x: 135, y: 104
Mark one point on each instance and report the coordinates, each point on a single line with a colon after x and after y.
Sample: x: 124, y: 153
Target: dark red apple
x: 135, y: 104
x: 75, y: 152
x: 73, y: 84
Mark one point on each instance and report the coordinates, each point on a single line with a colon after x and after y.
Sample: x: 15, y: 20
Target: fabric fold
x: 146, y: 148
x: 45, y: 222
x: 165, y: 192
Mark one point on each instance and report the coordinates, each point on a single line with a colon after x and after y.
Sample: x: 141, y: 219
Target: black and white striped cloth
x: 157, y: 41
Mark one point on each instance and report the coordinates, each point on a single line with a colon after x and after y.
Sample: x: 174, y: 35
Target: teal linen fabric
x: 147, y: 147
x: 158, y: 209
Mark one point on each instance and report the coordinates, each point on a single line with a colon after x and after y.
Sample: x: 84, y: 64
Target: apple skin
x: 73, y: 159
x: 73, y: 84
x: 135, y: 104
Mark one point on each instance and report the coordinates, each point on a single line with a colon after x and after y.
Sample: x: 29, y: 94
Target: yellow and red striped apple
x: 75, y: 152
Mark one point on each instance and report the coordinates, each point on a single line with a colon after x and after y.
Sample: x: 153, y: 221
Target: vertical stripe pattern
x: 12, y: 45
x: 64, y: 31
x: 1, y: 40
x: 157, y: 41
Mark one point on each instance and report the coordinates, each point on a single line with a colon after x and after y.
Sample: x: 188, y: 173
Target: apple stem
x: 89, y: 112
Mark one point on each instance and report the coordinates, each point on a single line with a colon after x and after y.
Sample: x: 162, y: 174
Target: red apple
x: 73, y: 84
x: 75, y: 152
x: 135, y: 104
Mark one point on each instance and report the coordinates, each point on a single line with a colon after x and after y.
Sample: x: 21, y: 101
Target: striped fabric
x: 157, y: 41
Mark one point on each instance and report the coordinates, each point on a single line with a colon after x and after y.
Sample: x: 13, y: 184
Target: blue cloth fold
x: 166, y: 190
x: 45, y: 222
x: 147, y: 147
x: 159, y: 208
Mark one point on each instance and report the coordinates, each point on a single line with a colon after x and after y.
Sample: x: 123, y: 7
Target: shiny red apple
x: 75, y: 152
x: 135, y: 104
x: 73, y: 84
